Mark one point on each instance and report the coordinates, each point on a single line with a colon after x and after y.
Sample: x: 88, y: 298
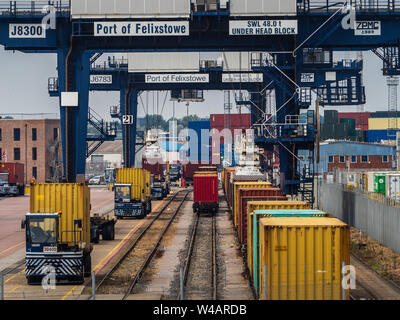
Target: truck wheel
x: 87, y: 265
x: 108, y: 232
x: 96, y: 238
x: 149, y: 207
x: 33, y: 280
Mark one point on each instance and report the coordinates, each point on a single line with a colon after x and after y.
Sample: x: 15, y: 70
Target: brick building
x: 36, y: 144
x: 356, y: 155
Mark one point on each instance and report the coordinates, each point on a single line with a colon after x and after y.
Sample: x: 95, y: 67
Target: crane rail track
x: 190, y: 260
x: 144, y: 236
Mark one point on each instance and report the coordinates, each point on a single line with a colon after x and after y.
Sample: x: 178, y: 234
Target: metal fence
x: 379, y: 220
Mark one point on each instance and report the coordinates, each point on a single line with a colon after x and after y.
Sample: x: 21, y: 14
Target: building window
x: 341, y: 159
x: 330, y: 159
x: 1, y: 154
x: 17, y: 154
x: 55, y: 133
x: 353, y: 159
x: 385, y: 159
x: 0, y: 135
x: 17, y: 134
x: 34, y: 153
x: 34, y: 172
x: 34, y: 134
x: 364, y: 159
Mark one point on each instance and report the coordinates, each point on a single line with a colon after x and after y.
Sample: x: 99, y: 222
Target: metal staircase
x: 104, y: 131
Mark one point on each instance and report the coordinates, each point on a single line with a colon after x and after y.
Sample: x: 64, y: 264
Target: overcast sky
x: 23, y: 89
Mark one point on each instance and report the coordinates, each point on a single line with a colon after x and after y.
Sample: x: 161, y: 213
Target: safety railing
x: 279, y: 130
x: 210, y: 5
x: 359, y: 5
x: 111, y: 63
x: 14, y: 8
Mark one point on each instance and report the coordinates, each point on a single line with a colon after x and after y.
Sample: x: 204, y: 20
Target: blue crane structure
x: 297, y: 46
x: 113, y: 75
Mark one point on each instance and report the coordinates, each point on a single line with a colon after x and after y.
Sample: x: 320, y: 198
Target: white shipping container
x: 124, y: 9
x: 393, y: 186
x: 252, y: 8
x: 164, y: 62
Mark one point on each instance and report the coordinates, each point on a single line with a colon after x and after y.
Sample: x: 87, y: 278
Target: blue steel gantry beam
x: 320, y: 24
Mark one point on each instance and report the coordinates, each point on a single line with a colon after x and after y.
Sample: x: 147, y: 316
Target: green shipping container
x: 380, y: 184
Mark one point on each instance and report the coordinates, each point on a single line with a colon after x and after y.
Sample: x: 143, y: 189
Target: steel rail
x: 154, y: 250
x: 133, y: 245
x: 214, y: 256
x: 189, y: 253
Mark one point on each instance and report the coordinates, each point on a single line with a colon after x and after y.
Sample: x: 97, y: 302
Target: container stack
x: 292, y: 252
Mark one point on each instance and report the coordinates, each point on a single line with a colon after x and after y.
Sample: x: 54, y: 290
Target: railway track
x: 199, y: 276
x: 126, y: 272
x: 370, y: 285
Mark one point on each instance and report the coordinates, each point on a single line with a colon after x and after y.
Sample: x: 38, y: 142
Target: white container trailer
x: 393, y: 186
x: 253, y: 8
x: 164, y: 62
x: 124, y: 9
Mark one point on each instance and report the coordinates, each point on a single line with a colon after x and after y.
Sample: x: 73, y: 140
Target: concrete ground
x: 15, y: 282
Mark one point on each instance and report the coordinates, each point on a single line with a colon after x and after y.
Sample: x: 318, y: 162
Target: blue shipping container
x: 199, y: 145
x: 375, y: 136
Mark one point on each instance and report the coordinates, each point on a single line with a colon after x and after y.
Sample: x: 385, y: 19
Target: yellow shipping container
x: 304, y: 258
x: 245, y: 184
x: 72, y: 201
x: 383, y: 123
x: 205, y: 173
x: 266, y: 205
x: 139, y: 179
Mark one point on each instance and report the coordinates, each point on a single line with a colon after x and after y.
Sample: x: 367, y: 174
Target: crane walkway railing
x: 359, y: 5
x: 14, y: 8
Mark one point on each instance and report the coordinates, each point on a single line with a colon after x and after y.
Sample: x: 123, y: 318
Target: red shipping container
x: 155, y: 166
x: 205, y: 188
x: 360, y: 117
x: 242, y: 120
x: 230, y: 189
x: 205, y: 193
x: 254, y: 194
x: 15, y: 172
x: 190, y: 168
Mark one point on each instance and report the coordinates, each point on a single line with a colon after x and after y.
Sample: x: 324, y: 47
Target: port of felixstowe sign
x: 141, y: 28
x: 177, y: 78
x: 262, y: 27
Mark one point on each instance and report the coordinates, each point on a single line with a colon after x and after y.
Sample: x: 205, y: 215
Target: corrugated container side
x: 248, y: 185
x: 254, y: 219
x: 304, y: 258
x: 72, y: 200
x: 266, y: 205
x: 140, y: 179
x: 162, y: 62
x: 262, y: 7
x: 122, y: 9
x: 205, y: 188
x: 383, y: 123
x: 154, y: 166
x: 253, y: 194
x: 15, y: 172
x: 217, y: 121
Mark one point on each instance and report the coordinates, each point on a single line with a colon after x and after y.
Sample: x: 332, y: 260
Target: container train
x: 272, y: 230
